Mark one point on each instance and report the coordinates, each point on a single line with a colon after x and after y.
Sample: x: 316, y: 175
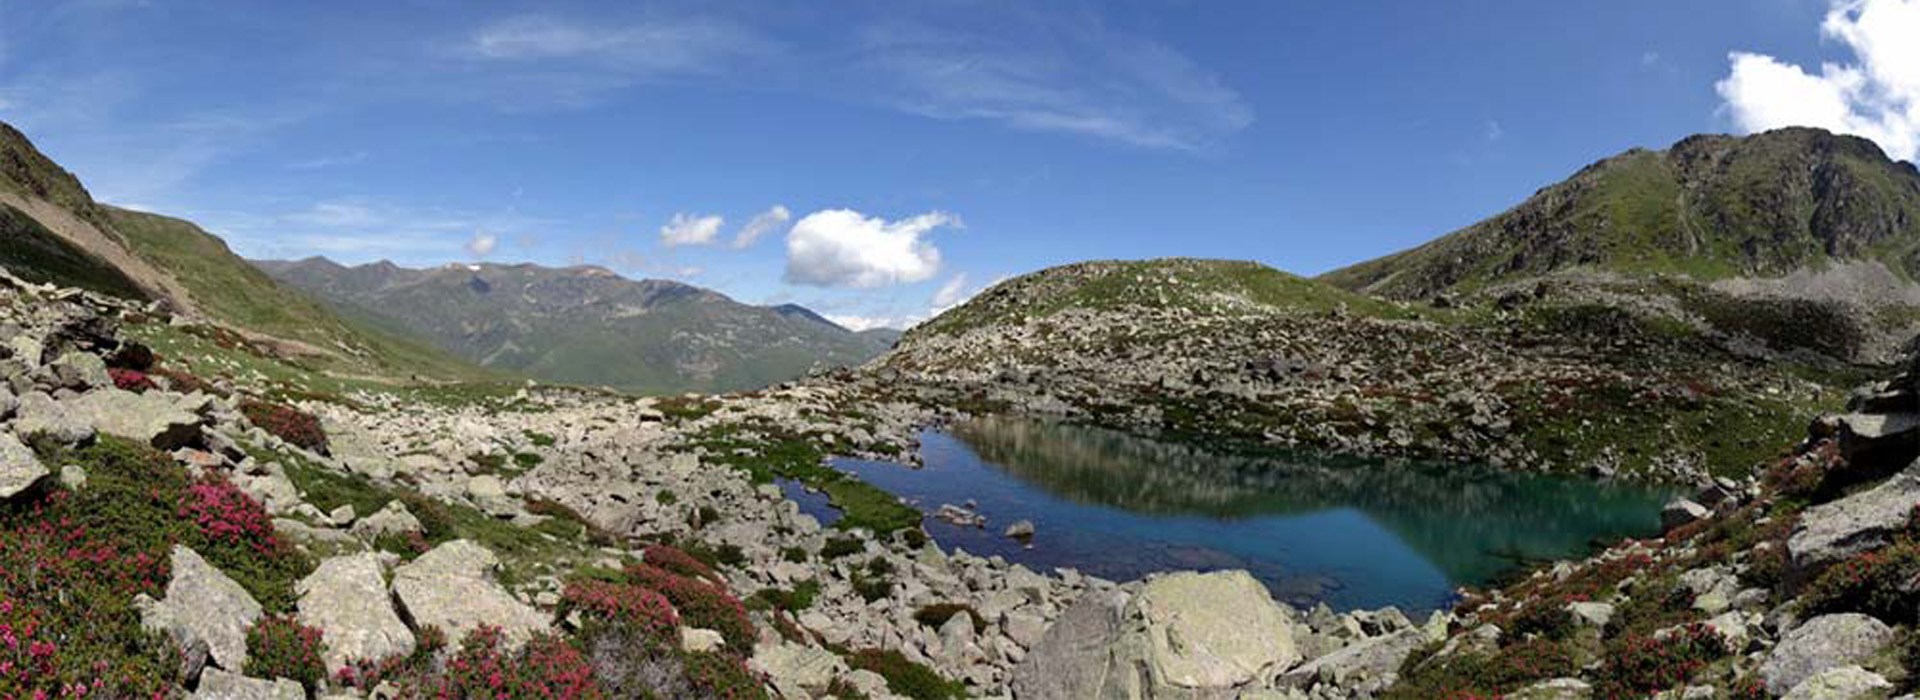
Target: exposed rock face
x: 1832, y: 532
x: 20, y: 469
x: 1842, y: 683
x: 203, y: 605
x: 39, y: 414
x: 347, y: 599
x: 1367, y: 667
x: 165, y: 421
x: 1182, y: 635
x: 1681, y: 511
x: 220, y: 685
x: 452, y: 588
x: 1823, y: 643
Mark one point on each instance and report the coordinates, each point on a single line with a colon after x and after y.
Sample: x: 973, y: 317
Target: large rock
x: 793, y: 667
x: 81, y: 371
x: 1842, y: 683
x: 452, y: 587
x: 347, y: 599
x: 1555, y: 689
x: 1878, y: 443
x: 1681, y: 511
x: 1367, y: 666
x: 165, y: 421
x: 393, y: 519
x: 1822, y: 643
x: 20, y: 468
x: 203, y: 606
x: 1182, y: 635
x: 39, y: 414
x: 220, y: 685
x: 1833, y: 532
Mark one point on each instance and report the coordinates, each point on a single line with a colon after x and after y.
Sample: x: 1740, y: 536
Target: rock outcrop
x: 204, y: 606
x: 452, y: 587
x: 348, y: 600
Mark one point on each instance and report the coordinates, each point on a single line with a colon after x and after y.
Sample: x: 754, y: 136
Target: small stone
x: 1020, y: 530
x: 1681, y: 511
x: 695, y: 639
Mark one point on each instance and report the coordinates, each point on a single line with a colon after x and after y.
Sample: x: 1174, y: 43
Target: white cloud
x: 844, y: 248
x: 1494, y: 132
x: 951, y: 293
x: 763, y: 223
x: 855, y: 322
x: 329, y: 161
x: 1876, y: 97
x: 690, y: 229
x: 653, y: 47
x: 482, y: 244
x: 1053, y: 70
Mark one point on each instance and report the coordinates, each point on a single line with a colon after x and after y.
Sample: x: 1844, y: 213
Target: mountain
x: 56, y: 233
x: 1710, y: 207
x: 587, y: 325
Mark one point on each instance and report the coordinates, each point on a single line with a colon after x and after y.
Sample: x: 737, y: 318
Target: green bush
x: 904, y: 677
x: 1642, y: 665
x: 795, y: 599
x: 1480, y: 674
x: 837, y: 547
x: 937, y: 615
x: 279, y: 647
x: 1869, y: 583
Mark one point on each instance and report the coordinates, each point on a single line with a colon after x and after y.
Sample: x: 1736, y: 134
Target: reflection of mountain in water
x: 1472, y: 523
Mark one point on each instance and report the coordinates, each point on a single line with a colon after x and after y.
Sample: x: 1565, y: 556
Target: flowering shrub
x: 701, y: 604
x: 1546, y: 617
x: 367, y: 674
x: 1476, y: 674
x: 72, y: 562
x: 646, y: 611
x: 279, y: 647
x: 548, y: 668
x: 1869, y: 583
x: 182, y: 382
x: 225, y: 513
x: 723, y: 677
x: 293, y: 425
x: 677, y: 561
x: 130, y: 379
x: 1642, y: 665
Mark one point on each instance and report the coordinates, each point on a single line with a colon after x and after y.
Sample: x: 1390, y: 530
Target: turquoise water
x: 1352, y: 533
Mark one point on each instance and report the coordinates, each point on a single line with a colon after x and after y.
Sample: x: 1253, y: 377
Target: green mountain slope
x: 53, y: 231
x: 587, y: 325
x: 1710, y: 207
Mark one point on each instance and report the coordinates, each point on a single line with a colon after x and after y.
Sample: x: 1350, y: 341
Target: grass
x: 767, y: 457
x: 38, y: 255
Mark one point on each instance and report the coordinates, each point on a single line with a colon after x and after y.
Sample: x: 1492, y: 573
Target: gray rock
x: 1842, y: 683
x: 1367, y: 666
x: 1183, y: 634
x: 39, y: 414
x: 490, y: 495
x: 452, y: 587
x: 73, y: 476
x: 792, y: 667
x: 1556, y: 689
x: 1681, y: 511
x: 1833, y: 532
x: 216, y: 684
x: 81, y: 371
x: 392, y: 519
x: 347, y: 599
x: 1020, y: 530
x: 203, y: 605
x: 1591, y: 613
x: 165, y: 421
x: 695, y: 639
x: 1878, y: 443
x: 1822, y: 643
x: 20, y: 468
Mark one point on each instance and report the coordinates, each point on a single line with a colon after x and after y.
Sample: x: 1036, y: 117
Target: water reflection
x: 1354, y: 533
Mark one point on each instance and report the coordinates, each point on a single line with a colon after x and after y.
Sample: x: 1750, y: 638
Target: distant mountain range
x: 587, y: 325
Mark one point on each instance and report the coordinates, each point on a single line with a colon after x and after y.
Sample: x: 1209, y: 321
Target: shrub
x: 700, y: 603
x: 722, y: 676
x: 677, y: 561
x: 937, y: 615
x: 130, y: 380
x: 645, y: 611
x: 184, y: 382
x: 838, y: 547
x: 224, y: 513
x: 1642, y: 665
x: 1476, y: 674
x: 797, y: 555
x: 527, y: 460
x: 539, y: 439
x: 367, y: 674
x: 708, y: 515
x: 800, y: 597
x: 665, y: 497
x: 293, y: 425
x: 279, y: 647
x: 905, y: 677
x: 1870, y: 583
x: 548, y: 667
x: 1546, y: 617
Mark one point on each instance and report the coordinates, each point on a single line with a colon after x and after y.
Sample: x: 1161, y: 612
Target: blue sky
x: 894, y: 157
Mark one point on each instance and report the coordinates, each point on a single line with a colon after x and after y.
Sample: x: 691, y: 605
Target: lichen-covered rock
x: 452, y: 587
x: 1182, y: 634
x: 1822, y: 643
x: 220, y: 685
x: 392, y: 519
x: 39, y: 414
x: 1842, y: 683
x: 203, y: 605
x: 347, y: 599
x: 1833, y: 532
x: 20, y: 468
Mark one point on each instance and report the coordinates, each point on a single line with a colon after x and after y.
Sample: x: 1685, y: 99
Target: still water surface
x: 1353, y: 533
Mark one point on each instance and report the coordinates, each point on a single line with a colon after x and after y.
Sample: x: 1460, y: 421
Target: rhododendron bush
x: 71, y: 563
x: 293, y: 425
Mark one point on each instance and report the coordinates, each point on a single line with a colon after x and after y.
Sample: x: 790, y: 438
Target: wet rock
x: 347, y: 599
x: 1822, y: 643
x: 1020, y: 530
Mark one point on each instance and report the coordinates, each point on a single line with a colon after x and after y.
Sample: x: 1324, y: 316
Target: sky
x: 880, y: 160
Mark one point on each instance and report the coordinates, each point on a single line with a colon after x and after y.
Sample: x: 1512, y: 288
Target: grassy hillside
x: 1203, y: 286
x: 1710, y: 207
x: 38, y: 255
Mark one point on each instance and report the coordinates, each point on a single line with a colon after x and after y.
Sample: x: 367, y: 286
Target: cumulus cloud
x: 951, y: 293
x: 856, y: 323
x: 690, y: 229
x: 844, y: 248
x: 482, y: 244
x: 763, y: 223
x: 1877, y: 96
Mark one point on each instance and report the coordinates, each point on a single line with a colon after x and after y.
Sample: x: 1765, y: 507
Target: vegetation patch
x: 905, y: 677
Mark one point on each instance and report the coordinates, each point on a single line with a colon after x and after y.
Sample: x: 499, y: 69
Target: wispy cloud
x: 691, y: 229
x: 362, y: 229
x: 1877, y: 96
x: 762, y: 224
x: 329, y: 161
x: 1055, y: 72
